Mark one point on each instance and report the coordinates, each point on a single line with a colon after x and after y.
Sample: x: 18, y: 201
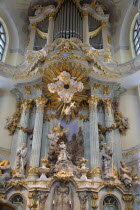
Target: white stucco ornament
x: 65, y: 86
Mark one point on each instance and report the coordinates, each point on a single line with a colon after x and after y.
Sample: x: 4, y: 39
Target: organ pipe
x: 68, y: 22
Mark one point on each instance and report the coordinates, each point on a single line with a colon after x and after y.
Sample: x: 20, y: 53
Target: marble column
x: 37, y: 134
x: 50, y: 29
x: 85, y: 28
x: 22, y: 136
x: 104, y: 35
x: 94, y: 137
x: 32, y: 37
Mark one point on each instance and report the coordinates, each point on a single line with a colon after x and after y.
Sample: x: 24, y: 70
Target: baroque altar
x: 66, y: 149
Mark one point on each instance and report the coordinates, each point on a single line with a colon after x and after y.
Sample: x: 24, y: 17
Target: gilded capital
x: 128, y: 199
x: 40, y: 102
x: 96, y: 86
x: 26, y: 104
x: 52, y: 14
x: 84, y: 14
x: 104, y: 23
x: 94, y: 101
x: 106, y: 89
x: 107, y: 104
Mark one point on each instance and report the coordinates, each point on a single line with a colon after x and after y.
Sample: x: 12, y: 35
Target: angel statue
x: 125, y: 175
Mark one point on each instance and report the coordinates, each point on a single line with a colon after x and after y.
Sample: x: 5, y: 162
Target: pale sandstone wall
x: 7, y: 108
x: 129, y: 106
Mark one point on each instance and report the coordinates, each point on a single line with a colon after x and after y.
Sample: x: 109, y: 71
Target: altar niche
x: 63, y: 197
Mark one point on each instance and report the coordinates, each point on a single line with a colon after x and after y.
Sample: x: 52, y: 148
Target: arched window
x: 17, y: 200
x: 136, y: 37
x: 110, y: 203
x: 2, y: 41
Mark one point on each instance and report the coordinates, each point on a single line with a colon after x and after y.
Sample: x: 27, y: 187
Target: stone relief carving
x: 21, y: 160
x: 83, y: 199
x: 62, y: 198
x: 125, y: 175
x: 42, y: 197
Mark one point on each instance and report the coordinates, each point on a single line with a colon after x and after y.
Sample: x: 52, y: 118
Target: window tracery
x: 17, y: 200
x: 2, y: 41
x: 136, y: 37
x: 110, y: 203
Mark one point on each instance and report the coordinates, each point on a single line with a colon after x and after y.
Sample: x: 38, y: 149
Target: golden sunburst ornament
x: 65, y: 85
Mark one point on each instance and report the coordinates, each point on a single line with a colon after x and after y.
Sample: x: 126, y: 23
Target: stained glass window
x: 136, y: 37
x: 2, y: 40
x: 110, y: 203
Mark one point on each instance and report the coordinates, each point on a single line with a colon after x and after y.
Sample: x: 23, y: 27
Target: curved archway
x: 18, y: 200
x: 125, y: 35
x: 11, y: 36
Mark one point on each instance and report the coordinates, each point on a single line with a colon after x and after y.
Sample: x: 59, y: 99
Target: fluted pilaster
x: 22, y: 136
x: 37, y: 134
x: 104, y: 35
x: 85, y: 28
x: 94, y: 138
x: 50, y: 29
x: 109, y: 118
x: 112, y: 137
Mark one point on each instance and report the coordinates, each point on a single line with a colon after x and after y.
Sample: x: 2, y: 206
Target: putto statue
x: 21, y: 159
x: 125, y: 175
x: 107, y: 161
x: 5, y: 171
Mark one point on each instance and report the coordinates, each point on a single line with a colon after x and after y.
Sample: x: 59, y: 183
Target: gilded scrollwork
x: 122, y: 122
x: 107, y: 104
x: 128, y: 199
x: 32, y: 201
x: 94, y: 196
x: 12, y: 121
x: 64, y: 176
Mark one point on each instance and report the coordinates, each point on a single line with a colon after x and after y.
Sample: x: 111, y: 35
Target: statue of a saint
x: 125, y: 175
x: 62, y: 198
x: 21, y: 159
x: 5, y: 171
x: 107, y: 160
x: 63, y: 153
